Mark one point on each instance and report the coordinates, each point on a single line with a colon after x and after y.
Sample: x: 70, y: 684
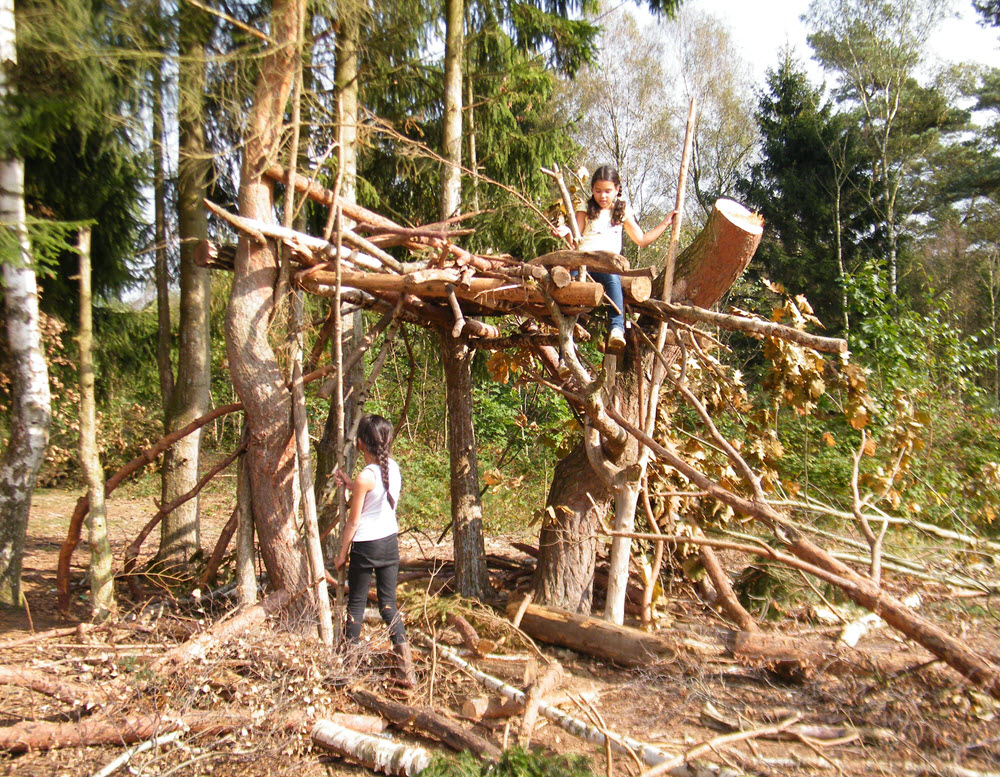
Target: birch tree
x: 30, y: 415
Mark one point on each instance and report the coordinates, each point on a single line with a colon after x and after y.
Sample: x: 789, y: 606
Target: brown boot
x: 405, y: 676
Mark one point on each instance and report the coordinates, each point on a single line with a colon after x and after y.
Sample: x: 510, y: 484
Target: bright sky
x: 761, y: 29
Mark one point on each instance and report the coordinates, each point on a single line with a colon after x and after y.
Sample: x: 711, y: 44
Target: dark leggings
x: 359, y: 576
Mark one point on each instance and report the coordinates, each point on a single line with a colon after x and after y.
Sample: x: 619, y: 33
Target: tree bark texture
x: 577, y: 496
x: 466, y: 509
x: 607, y: 641
x: 102, y: 582
x: 452, y: 734
x: 347, y: 87
x: 30, y: 406
x: 576, y: 500
x: 180, y: 531
x: 454, y: 45
x: 256, y: 374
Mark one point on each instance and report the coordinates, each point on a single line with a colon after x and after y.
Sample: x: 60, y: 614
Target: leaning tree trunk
x: 257, y: 376
x: 30, y: 407
x: 466, y: 509
x: 180, y: 531
x: 704, y: 272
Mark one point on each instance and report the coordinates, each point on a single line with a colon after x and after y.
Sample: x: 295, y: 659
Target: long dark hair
x: 607, y: 173
x: 375, y: 433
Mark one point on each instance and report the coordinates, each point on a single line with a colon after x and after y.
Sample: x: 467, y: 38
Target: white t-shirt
x: 378, y: 517
x: 598, y: 234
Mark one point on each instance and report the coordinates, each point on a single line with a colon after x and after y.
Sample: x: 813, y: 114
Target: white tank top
x: 598, y: 234
x: 378, y: 517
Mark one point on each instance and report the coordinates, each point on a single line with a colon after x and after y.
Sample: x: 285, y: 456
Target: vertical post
x: 102, y: 588
x: 338, y: 406
x: 675, y: 228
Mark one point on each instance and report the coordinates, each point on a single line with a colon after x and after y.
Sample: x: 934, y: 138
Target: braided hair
x: 607, y: 173
x: 375, y: 433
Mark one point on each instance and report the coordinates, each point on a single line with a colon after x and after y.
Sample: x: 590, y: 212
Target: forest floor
x: 899, y: 711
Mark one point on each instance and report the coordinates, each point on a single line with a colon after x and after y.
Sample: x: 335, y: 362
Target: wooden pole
x: 338, y: 403
x: 675, y: 228
x: 101, y: 578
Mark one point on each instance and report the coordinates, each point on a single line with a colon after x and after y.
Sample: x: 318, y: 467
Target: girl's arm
x: 364, y: 483
x: 643, y: 239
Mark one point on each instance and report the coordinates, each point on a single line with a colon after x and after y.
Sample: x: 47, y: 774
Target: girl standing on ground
x: 371, y: 538
x: 601, y: 220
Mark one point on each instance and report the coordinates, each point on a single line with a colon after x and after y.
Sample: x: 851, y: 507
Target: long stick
x: 675, y: 228
x: 338, y: 396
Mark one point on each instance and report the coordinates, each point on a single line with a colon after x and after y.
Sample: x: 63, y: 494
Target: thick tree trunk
x: 102, y: 583
x: 564, y: 577
x: 180, y: 531
x: 578, y: 497
x: 466, y: 509
x: 256, y: 374
x: 30, y: 406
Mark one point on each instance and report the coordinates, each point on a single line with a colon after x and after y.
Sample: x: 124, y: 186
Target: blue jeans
x: 613, y: 289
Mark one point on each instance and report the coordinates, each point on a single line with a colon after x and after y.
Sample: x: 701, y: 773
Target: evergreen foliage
x: 515, y: 762
x: 71, y: 125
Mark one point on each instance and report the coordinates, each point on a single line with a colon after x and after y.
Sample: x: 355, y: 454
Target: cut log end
x: 745, y: 219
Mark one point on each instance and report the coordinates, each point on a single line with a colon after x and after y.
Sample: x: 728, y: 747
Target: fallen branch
x: 651, y: 756
x: 129, y: 754
x: 816, y: 561
x: 66, y: 691
x: 198, y: 646
x: 709, y: 746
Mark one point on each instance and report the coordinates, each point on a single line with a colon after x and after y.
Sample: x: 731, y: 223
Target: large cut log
x: 482, y: 291
x: 732, y: 232
x: 453, y: 735
x: 621, y: 645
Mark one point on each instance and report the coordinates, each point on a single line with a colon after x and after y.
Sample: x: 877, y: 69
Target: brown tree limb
x: 742, y: 323
x: 83, y: 503
x: 219, y: 552
x: 198, y: 646
x: 66, y: 691
x: 132, y: 551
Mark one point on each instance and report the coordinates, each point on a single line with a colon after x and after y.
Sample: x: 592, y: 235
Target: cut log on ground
x: 427, y: 721
x: 621, y: 645
x: 490, y: 708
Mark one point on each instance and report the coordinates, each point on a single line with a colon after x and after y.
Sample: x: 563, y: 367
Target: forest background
x: 879, y: 192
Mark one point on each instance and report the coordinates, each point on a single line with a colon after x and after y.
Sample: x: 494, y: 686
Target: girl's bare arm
x: 643, y: 239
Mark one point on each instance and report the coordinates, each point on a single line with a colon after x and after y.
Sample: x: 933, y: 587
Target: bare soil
x: 909, y: 713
